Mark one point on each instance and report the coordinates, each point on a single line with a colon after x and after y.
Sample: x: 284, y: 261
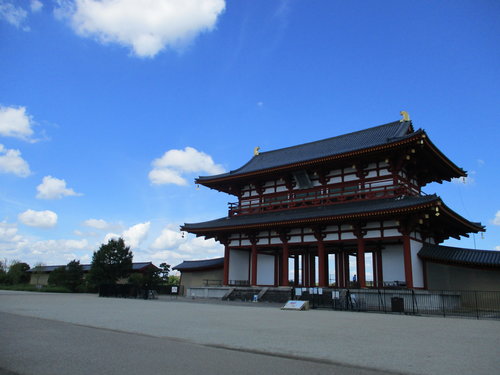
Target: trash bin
x: 397, y: 304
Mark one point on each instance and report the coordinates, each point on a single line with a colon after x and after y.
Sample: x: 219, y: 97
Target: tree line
x: 111, y: 263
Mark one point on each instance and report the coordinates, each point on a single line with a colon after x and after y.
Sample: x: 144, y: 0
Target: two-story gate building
x: 304, y: 208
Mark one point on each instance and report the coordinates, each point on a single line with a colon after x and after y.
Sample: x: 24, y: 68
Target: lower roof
x: 336, y: 212
x: 200, y: 265
x: 457, y: 255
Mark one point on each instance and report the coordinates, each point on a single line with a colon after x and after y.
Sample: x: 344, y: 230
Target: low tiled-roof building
x: 201, y: 273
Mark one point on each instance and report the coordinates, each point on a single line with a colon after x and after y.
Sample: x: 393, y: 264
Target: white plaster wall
x: 393, y: 267
x: 295, y: 239
x: 350, y: 177
x: 348, y: 236
x: 384, y: 172
x: 372, y: 234
x: 416, y: 264
x: 391, y: 233
x: 371, y: 174
x: 309, y: 238
x: 275, y: 240
x: 265, y: 269
x: 238, y: 265
x: 332, y: 237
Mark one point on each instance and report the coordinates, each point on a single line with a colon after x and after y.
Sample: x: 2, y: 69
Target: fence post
x: 477, y: 308
x: 442, y: 300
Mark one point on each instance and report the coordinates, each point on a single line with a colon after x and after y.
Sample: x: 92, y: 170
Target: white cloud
x: 15, y: 122
x: 36, y: 5
x: 12, y: 14
x: 146, y: 26
x: 8, y: 232
x: 12, y: 162
x: 169, y: 168
x: 168, y: 239
x: 97, y: 224
x: 497, y: 248
x: 54, y: 188
x: 496, y: 220
x: 467, y: 180
x: 40, y: 219
x: 166, y: 176
x: 172, y: 247
x: 50, y: 252
x: 132, y: 236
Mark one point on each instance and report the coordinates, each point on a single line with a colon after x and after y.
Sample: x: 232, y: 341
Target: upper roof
x: 377, y: 138
x: 456, y: 255
x: 198, y: 265
x: 370, y: 137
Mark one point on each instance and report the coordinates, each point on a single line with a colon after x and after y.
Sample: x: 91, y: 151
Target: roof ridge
x: 270, y: 152
x: 335, y: 137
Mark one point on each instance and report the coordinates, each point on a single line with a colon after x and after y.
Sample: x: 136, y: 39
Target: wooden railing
x: 319, y: 196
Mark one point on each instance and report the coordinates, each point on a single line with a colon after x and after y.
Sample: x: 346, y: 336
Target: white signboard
x: 296, y: 305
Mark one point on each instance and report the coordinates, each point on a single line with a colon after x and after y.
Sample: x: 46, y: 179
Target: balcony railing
x: 319, y: 196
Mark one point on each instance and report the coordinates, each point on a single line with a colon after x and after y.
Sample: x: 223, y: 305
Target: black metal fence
x: 132, y: 291
x: 470, y: 304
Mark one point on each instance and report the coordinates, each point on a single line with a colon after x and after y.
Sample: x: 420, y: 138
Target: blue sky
x: 109, y: 110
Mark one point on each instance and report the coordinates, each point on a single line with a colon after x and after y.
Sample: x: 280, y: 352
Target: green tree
x: 111, y: 262
x: 74, y: 275
x: 58, y: 277
x: 174, y: 280
x: 164, y: 270
x: 18, y: 273
x: 3, y: 272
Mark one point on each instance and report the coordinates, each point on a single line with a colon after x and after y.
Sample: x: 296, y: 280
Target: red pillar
x: 312, y: 269
x: 380, y: 274
x: 305, y: 269
x: 360, y: 263
x: 296, y: 279
x: 253, y: 279
x: 337, y: 270
x: 407, y: 261
x: 284, y: 271
x: 226, y: 265
x: 276, y: 270
x: 322, y: 265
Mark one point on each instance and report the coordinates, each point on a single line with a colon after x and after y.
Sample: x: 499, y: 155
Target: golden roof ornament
x: 256, y: 150
x: 406, y: 116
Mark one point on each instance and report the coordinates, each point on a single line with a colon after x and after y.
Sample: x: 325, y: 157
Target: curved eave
x: 456, y: 170
x: 329, y: 218
x: 218, y: 182
x: 198, y: 269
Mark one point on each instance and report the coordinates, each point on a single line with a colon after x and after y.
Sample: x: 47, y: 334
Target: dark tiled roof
x: 447, y: 254
x: 197, y: 265
x: 367, y: 138
x: 334, y: 210
x: 86, y: 267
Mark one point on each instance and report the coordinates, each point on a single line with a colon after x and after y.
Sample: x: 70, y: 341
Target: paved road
x: 43, y: 347
x: 405, y: 344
